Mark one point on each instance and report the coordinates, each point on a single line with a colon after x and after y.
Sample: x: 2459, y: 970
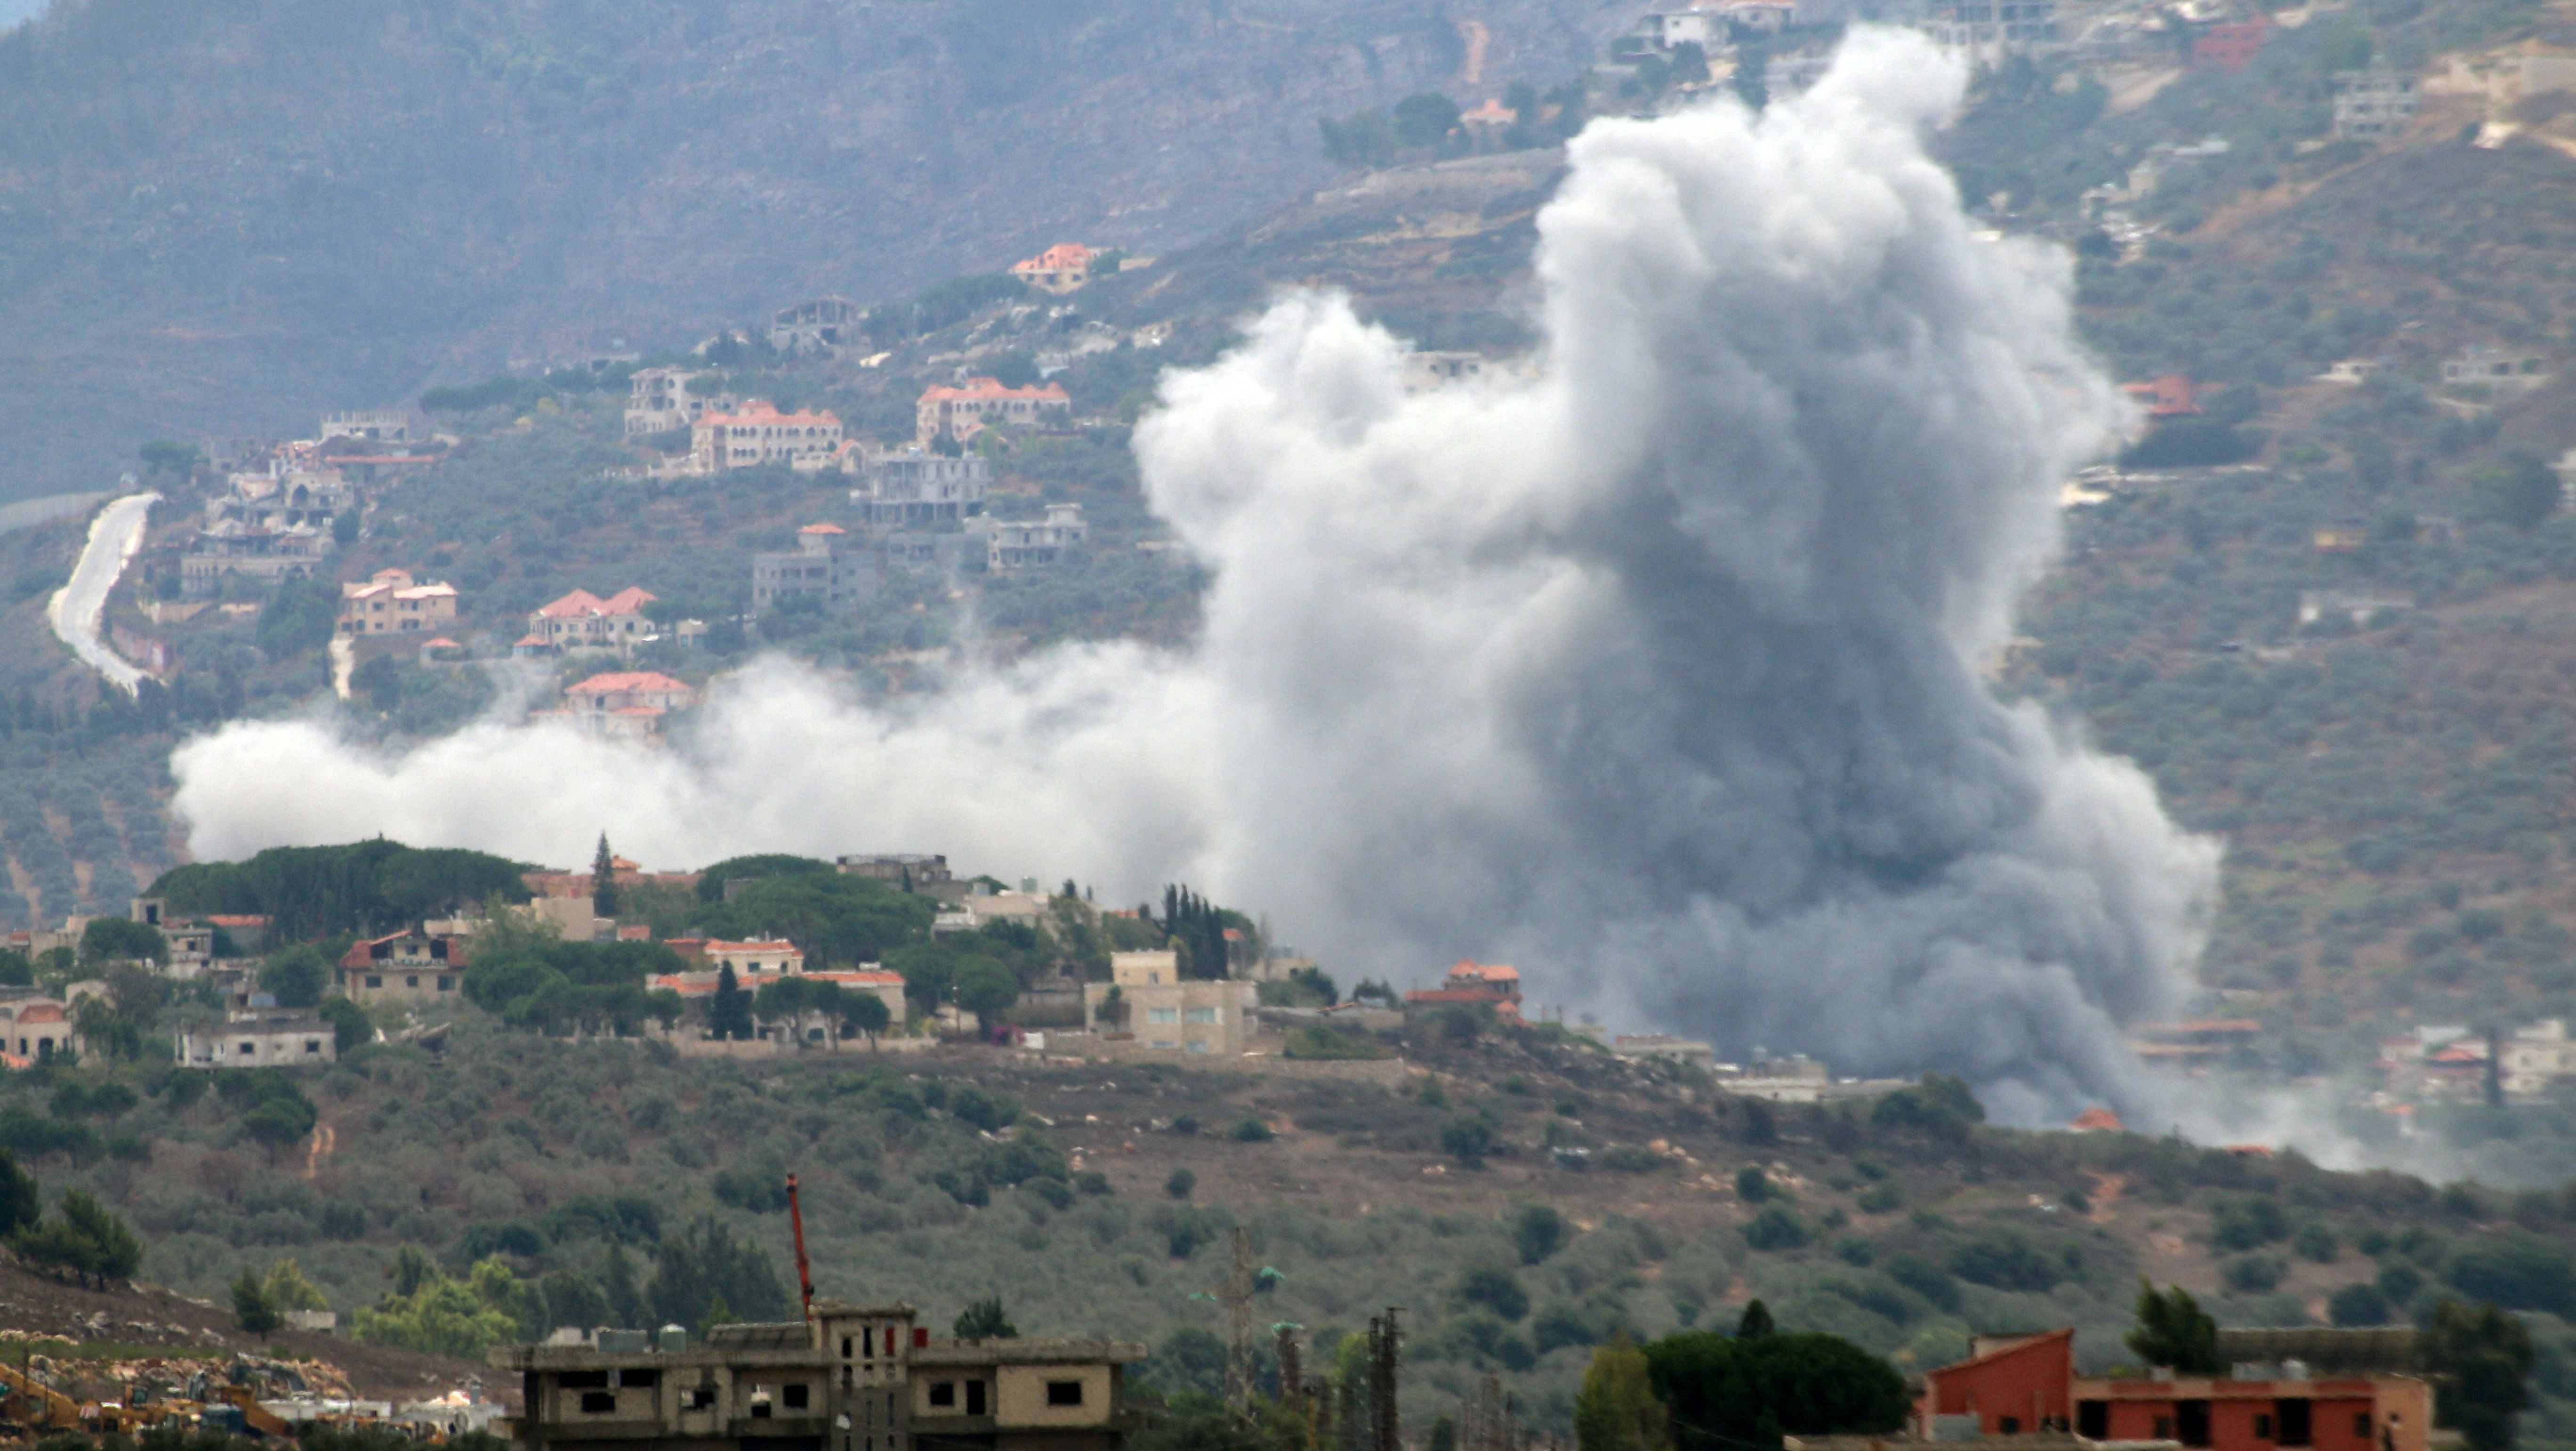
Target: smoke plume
x: 1653, y: 670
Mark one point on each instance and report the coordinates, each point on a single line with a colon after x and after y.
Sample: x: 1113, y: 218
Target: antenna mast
x: 804, y: 1274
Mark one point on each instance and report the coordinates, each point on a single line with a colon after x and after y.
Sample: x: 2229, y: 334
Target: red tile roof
x: 981, y: 390
x: 619, y: 682
x: 760, y: 412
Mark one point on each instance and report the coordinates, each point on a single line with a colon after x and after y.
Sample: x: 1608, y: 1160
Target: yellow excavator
x: 32, y: 1403
x: 254, y: 1416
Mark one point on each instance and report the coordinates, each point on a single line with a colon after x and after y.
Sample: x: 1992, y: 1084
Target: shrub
x: 1537, y: 1232
x: 1775, y: 1228
x: 1730, y: 1392
x: 2247, y: 1222
x: 1251, y: 1131
x: 1880, y: 1198
x: 2316, y: 1241
x: 2359, y: 1305
x: 2003, y: 1260
x: 1925, y: 1279
x: 2517, y: 1273
x: 1752, y: 1185
x: 1468, y: 1138
x: 1180, y: 1184
x: 2252, y: 1274
x: 1496, y: 1289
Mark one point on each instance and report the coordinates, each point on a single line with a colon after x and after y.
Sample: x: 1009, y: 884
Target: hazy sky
x: 13, y: 11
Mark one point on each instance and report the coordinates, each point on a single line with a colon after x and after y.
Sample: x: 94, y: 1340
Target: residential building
x: 846, y: 1378
x: 959, y: 412
x: 1663, y: 1047
x: 1474, y: 983
x: 2361, y: 607
x: 2485, y: 367
x: 758, y: 433
x: 2171, y: 396
x: 663, y: 400
x: 405, y: 968
x: 915, y: 550
x: 1160, y: 1010
x: 2231, y: 45
x: 1990, y: 31
x: 2021, y: 1384
x: 376, y: 425
x: 2195, y: 1038
x: 34, y: 1028
x: 1059, y: 269
x: 1486, y: 124
x: 625, y: 704
x: 2353, y: 372
x: 2373, y: 104
x: 622, y: 872
x: 265, y: 555
x: 821, y: 568
x: 258, y: 1041
x: 392, y: 603
x: 1758, y: 17
x: 2538, y: 1057
x: 1664, y: 30
x: 925, y: 873
x: 2343, y: 536
x: 915, y: 487
x: 824, y: 325
x: 287, y: 498
x: 775, y: 956
x: 1034, y: 543
x: 583, y: 621
x: 1424, y: 370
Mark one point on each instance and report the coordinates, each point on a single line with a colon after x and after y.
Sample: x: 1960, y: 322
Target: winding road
x: 76, y: 608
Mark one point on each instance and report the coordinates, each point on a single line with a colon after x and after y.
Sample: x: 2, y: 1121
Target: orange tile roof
x: 1058, y: 258
x: 624, y: 681
x: 979, y: 390
x: 2096, y: 1120
x: 763, y: 413
x: 579, y: 602
x: 822, y: 529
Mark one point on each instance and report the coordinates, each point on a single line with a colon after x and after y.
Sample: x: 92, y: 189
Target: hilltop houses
x: 914, y: 487
x: 625, y: 704
x: 393, y: 603
x: 957, y: 413
x: 665, y: 400
x: 583, y: 621
x: 758, y: 433
x: 1031, y: 543
x: 1059, y: 269
x: 821, y: 568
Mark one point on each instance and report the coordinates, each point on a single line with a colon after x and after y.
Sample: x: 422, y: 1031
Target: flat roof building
x: 851, y: 1378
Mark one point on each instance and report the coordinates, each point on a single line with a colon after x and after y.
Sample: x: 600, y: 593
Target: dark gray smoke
x: 1654, y: 671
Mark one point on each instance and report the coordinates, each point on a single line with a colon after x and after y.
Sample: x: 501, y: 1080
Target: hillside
x: 1898, y: 1223
x: 223, y: 220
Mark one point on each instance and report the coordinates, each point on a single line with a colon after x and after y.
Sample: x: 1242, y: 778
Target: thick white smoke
x: 1653, y: 671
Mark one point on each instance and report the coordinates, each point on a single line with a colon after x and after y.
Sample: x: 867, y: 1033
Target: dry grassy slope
x: 134, y: 1320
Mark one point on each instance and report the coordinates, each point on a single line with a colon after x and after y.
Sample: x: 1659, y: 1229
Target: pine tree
x: 253, y: 1311
x: 730, y: 1015
x: 1756, y: 1322
x: 603, y: 880
x: 1616, y: 1409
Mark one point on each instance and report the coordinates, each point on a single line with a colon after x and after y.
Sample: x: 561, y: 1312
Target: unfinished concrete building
x: 851, y: 1378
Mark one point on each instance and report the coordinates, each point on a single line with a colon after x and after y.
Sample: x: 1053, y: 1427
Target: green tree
x: 603, y: 879
x: 350, y: 1025
x: 1730, y: 1392
x: 2173, y: 1331
x: 253, y: 1311
x: 1617, y: 1409
x: 985, y: 1320
x: 85, y: 1239
x: 116, y: 939
x: 729, y: 1016
x: 21, y: 1201
x: 2518, y: 491
x: 987, y: 989
x: 1755, y: 1322
x: 443, y: 1315
x: 2480, y: 1359
x: 1537, y: 1232
x: 288, y: 1289
x: 297, y: 976
x: 1425, y: 119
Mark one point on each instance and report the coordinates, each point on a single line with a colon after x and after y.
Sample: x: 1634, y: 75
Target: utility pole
x: 1386, y: 1352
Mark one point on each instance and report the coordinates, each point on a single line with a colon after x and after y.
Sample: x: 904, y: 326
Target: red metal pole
x: 804, y: 1275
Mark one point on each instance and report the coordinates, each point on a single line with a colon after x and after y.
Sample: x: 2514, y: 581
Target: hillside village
x: 530, y: 1149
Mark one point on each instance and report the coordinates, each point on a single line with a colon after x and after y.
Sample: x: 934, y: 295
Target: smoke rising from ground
x: 1654, y: 672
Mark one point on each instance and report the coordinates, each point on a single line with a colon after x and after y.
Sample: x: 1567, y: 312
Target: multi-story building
x: 923, y: 872
x: 821, y: 568
x: 2483, y: 367
x: 1988, y: 32
x: 824, y: 325
x: 959, y: 412
x: 583, y: 621
x: 2372, y: 104
x: 848, y: 1378
x: 1161, y: 1010
x: 626, y: 703
x: 392, y: 603
x: 664, y: 400
x: 914, y: 487
x: 1059, y: 269
x: 259, y: 1040
x: 757, y: 433
x: 406, y: 968
x: 376, y: 425
x: 34, y: 1028
x: 1030, y: 543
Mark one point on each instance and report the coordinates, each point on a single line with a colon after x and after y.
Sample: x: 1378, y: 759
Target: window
x: 1202, y: 1015
x: 2295, y: 1422
x: 702, y: 1398
x: 2009, y: 1425
x: 583, y: 1380
x: 2191, y: 1422
x: 312, y: 1045
x: 845, y: 1347
x: 796, y: 1396
x: 248, y: 1049
x: 375, y: 979
x: 2262, y: 1427
x: 412, y: 981
x: 974, y: 1398
x: 636, y: 1377
x: 2361, y: 1425
x: 2093, y: 1420
x: 446, y: 983
x: 943, y: 1393
x: 598, y: 1403
x: 1162, y: 1015
x: 1064, y: 1392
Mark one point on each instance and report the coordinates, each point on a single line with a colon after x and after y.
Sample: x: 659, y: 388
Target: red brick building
x: 2017, y: 1384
